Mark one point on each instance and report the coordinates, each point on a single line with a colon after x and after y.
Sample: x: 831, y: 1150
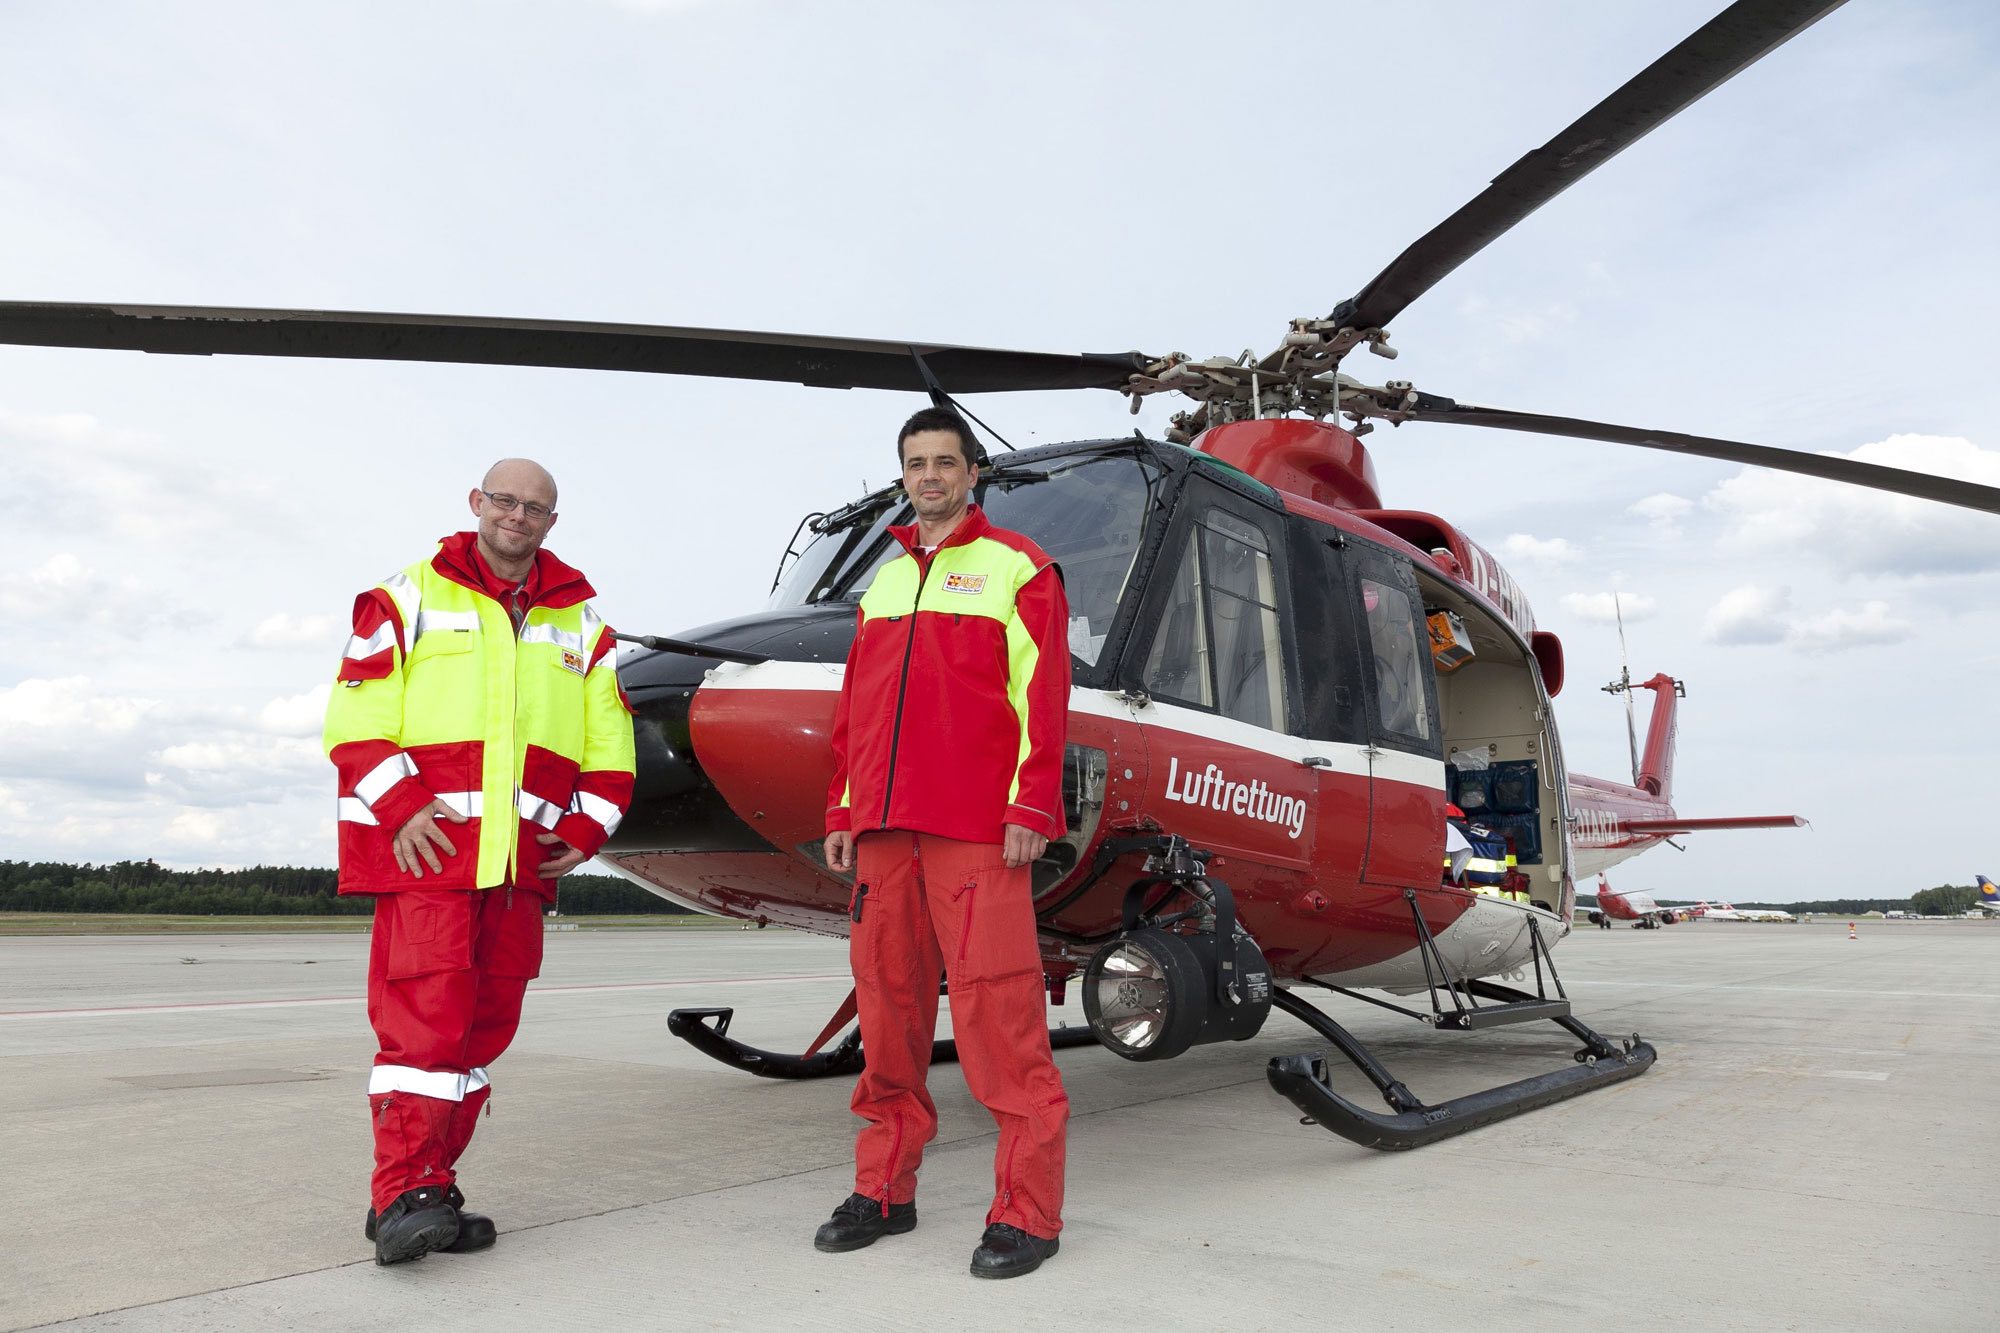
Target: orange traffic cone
x: 1850, y: 932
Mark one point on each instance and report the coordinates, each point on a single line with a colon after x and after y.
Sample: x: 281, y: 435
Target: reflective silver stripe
x: 596, y: 807
x: 445, y: 1087
x: 562, y: 638
x: 538, y: 811
x: 360, y: 649
x: 471, y: 804
x: 404, y: 592
x: 428, y: 621
x: 467, y: 803
x: 475, y: 1079
x: 383, y: 776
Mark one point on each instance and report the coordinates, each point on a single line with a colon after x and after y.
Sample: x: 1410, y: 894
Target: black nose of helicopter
x: 675, y: 805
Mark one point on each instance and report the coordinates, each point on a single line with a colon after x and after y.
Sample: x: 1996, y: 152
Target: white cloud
x: 1663, y: 511
x: 1749, y: 614
x: 204, y: 827
x: 235, y: 769
x: 64, y: 591
x: 60, y: 586
x: 1855, y: 530
x: 299, y: 715
x: 1539, y: 550
x: 66, y: 731
x: 1755, y: 614
x: 288, y: 631
x: 67, y: 707
x: 123, y: 748
x: 1604, y: 608
x: 1835, y: 630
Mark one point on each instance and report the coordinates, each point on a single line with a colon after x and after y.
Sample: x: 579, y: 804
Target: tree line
x: 1944, y: 900
x: 146, y: 888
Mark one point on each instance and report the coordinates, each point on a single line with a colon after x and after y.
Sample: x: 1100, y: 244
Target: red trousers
x: 446, y: 972
x: 927, y: 906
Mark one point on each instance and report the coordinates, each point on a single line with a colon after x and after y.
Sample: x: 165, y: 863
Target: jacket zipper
x: 902, y: 688
x: 513, y: 713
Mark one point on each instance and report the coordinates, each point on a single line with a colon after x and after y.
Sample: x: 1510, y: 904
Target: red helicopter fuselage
x: 1258, y: 669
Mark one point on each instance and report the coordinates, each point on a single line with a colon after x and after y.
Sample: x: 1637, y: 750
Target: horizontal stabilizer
x: 1671, y: 826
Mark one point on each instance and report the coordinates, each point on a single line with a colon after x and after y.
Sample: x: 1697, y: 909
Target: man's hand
x: 1023, y: 845
x: 561, y: 863
x: 416, y: 838
x: 840, y: 849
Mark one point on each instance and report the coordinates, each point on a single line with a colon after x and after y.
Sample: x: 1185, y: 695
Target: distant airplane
x: 1724, y: 912
x: 1638, y: 908
x: 1989, y: 895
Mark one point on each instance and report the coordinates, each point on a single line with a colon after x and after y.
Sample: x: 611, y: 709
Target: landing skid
x: 707, y: 1030
x: 1411, y: 1123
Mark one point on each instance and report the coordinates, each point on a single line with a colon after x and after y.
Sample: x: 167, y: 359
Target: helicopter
x: 1264, y: 740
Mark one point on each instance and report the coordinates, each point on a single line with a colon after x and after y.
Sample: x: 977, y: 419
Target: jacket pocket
x: 996, y: 931
x: 431, y: 931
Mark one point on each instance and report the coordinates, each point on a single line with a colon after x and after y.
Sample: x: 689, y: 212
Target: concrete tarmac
x: 184, y: 1145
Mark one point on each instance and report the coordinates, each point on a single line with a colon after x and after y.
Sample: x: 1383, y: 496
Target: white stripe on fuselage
x: 1332, y: 756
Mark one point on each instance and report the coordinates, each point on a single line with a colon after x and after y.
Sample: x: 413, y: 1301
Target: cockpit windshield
x: 1088, y: 512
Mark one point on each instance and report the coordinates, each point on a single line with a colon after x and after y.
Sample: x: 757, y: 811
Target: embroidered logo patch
x: 573, y: 661
x: 965, y: 583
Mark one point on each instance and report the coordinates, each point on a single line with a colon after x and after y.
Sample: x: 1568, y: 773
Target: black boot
x: 859, y: 1221
x: 475, y: 1231
x: 419, y: 1221
x: 1006, y: 1251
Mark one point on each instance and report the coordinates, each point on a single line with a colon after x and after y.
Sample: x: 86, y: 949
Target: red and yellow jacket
x: 440, y: 697
x: 953, y: 714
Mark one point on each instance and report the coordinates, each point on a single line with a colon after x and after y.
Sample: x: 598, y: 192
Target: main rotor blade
x: 1922, y: 485
x: 841, y: 363
x: 1724, y: 46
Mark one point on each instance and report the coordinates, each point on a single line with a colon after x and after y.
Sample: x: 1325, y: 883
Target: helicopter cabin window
x: 1088, y: 511
x: 1218, y: 644
x: 1402, y: 703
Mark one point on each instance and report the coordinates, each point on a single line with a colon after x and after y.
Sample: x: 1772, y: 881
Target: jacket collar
x: 974, y: 525
x: 550, y: 582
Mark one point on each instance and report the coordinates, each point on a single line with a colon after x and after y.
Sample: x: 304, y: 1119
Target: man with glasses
x: 484, y: 750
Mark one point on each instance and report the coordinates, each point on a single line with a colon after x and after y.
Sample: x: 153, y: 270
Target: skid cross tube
x: 707, y: 1030
x: 1411, y: 1123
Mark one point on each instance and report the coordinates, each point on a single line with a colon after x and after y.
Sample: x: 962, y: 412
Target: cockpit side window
x: 1089, y: 512
x: 1219, y: 643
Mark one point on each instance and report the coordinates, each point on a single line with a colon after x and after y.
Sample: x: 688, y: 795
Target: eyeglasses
x: 507, y: 504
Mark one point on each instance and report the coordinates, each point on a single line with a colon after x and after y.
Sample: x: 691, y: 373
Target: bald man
x: 484, y: 750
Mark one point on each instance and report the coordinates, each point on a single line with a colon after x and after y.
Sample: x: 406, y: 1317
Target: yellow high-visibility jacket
x: 439, y: 697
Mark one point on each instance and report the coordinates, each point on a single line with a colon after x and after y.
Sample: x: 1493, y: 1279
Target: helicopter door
x: 1217, y: 669
x: 1335, y: 703
x: 1405, y: 752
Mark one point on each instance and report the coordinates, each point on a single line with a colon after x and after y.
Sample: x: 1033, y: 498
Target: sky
x: 1804, y: 259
